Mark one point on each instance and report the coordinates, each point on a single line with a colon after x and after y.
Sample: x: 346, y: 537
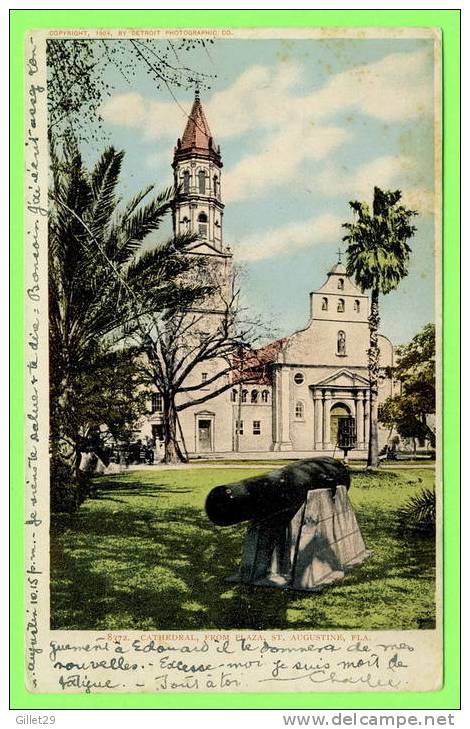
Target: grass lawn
x: 143, y: 555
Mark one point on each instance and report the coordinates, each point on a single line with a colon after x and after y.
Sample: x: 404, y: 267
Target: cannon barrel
x: 281, y: 491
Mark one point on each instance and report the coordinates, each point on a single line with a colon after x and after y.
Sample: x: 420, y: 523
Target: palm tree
x: 100, y: 281
x: 378, y: 256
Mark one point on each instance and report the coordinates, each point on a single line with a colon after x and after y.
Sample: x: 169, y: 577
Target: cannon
x: 282, y: 491
x: 303, y: 533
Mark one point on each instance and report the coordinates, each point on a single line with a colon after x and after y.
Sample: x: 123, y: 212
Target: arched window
x: 324, y: 304
x: 186, y: 182
x: 254, y: 396
x: 357, y: 305
x: 299, y: 410
x: 341, y: 284
x: 201, y: 178
x: 337, y: 413
x: 341, y: 343
x: 202, y: 224
x: 233, y: 396
x: 216, y: 185
x: 340, y: 305
x: 244, y: 395
x: 265, y: 396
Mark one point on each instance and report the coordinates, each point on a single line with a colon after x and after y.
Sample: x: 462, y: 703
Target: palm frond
x: 129, y: 233
x: 146, y: 219
x: 70, y: 191
x: 104, y: 179
x: 183, y: 240
x: 160, y: 261
x: 419, y: 513
x: 134, y: 203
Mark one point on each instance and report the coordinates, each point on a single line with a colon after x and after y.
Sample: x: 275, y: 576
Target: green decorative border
x: 449, y: 22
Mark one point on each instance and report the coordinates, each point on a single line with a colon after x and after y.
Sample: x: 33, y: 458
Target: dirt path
x: 251, y: 465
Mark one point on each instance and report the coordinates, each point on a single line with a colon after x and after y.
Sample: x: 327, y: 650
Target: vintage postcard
x: 233, y: 360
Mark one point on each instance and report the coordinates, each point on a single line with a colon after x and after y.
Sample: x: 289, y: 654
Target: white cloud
x: 266, y: 97
x: 387, y: 172
x: 396, y: 88
x: 280, y: 160
x: 125, y: 110
x: 381, y: 171
x: 420, y: 199
x: 289, y: 238
x: 294, y: 127
x: 255, y: 100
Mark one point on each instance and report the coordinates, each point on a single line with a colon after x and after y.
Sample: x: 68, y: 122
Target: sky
x: 304, y: 127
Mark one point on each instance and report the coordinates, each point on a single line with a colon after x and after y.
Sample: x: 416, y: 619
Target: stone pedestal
x: 307, y: 551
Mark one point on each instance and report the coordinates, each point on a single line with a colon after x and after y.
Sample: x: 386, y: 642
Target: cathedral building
x: 312, y: 378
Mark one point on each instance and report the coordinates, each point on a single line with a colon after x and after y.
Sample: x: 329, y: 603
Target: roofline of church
x: 342, y: 294
x: 286, y: 341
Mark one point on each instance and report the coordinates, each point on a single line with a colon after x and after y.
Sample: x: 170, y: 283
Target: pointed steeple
x: 197, y: 167
x: 197, y: 136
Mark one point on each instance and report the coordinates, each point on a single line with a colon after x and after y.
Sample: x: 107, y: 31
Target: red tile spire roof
x: 197, y: 132
x: 197, y: 136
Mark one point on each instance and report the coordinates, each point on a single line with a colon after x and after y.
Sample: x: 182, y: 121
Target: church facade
x: 312, y: 378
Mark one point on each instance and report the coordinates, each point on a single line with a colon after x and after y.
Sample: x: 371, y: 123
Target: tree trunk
x: 173, y: 453
x: 184, y: 450
x: 374, y: 370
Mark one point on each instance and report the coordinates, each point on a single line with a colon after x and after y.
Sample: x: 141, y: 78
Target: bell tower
x: 197, y: 166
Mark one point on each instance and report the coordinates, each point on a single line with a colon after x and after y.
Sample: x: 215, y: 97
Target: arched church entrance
x: 337, y: 412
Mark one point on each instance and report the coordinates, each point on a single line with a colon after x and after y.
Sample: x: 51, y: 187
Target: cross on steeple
x: 339, y: 252
x: 196, y: 92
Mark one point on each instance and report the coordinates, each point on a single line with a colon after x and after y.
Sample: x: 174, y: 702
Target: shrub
x: 419, y: 513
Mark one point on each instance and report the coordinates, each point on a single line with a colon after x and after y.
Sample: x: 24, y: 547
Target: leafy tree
x: 378, y: 257
x: 180, y: 341
x: 111, y: 394
x: 394, y: 413
x: 101, y: 282
x: 105, y: 401
x: 416, y: 370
